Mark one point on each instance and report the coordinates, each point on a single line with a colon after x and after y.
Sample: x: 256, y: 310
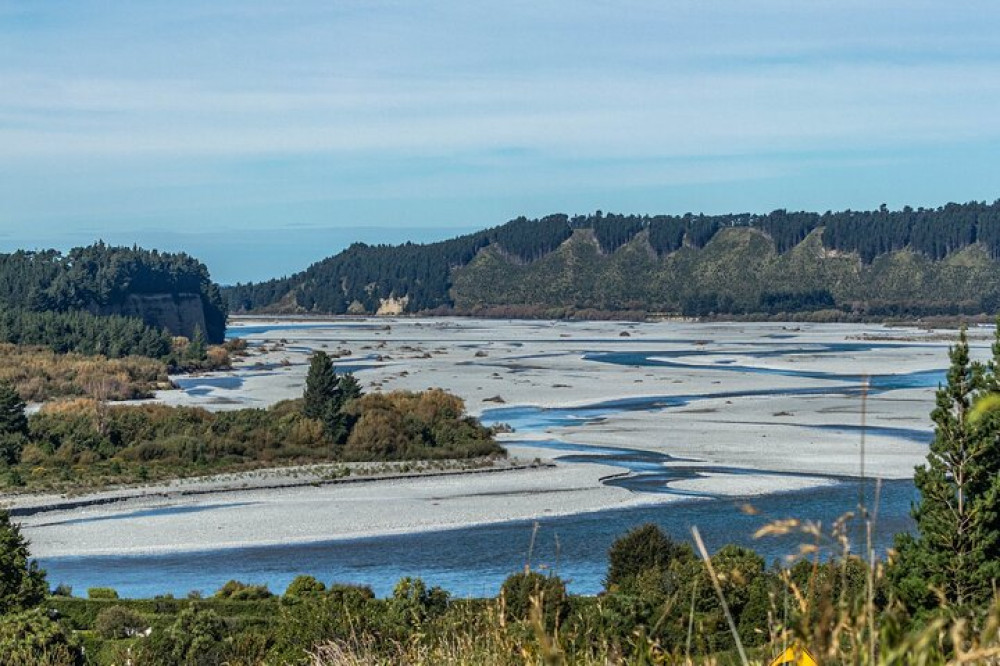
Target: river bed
x: 675, y: 423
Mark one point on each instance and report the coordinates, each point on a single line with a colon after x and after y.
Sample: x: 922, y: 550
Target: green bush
x: 119, y: 622
x: 62, y: 590
x: 642, y: 548
x: 304, y: 586
x: 102, y: 593
x: 196, y: 638
x: 32, y: 639
x: 237, y: 591
x: 22, y: 583
x: 521, y: 590
x: 352, y: 595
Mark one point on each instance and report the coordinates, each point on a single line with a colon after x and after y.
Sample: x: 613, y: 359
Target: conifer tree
x: 321, y: 386
x: 953, y: 558
x: 22, y: 583
x: 12, y: 418
x: 348, y: 388
x: 197, y: 348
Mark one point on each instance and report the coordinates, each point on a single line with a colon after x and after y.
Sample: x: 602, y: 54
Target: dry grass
x: 41, y: 374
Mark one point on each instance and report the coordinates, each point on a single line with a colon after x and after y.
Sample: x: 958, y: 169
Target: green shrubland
x: 87, y: 443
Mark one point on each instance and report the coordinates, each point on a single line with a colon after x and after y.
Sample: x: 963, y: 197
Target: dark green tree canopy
x: 363, y: 276
x: 326, y: 396
x: 522, y: 591
x: 84, y: 333
x: 100, y: 278
x: 22, y: 583
x: 321, y: 386
x: 12, y: 418
x: 955, y: 556
x: 643, y: 548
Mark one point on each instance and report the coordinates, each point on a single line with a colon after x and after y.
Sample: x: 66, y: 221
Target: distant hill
x: 910, y: 262
x: 164, y: 290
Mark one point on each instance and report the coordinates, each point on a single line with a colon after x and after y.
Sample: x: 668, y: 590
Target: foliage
x: 196, y: 638
x: 12, y: 418
x: 850, y: 263
x: 643, y: 548
x: 83, y: 333
x: 100, y: 279
x: 327, y: 395
x: 412, y: 603
x: 304, y: 586
x: 410, y: 426
x: 321, y: 385
x: 955, y: 557
x: 62, y: 590
x: 22, y: 583
x: 40, y: 374
x: 521, y: 592
x: 119, y: 622
x: 237, y: 591
x: 30, y: 638
x: 84, y: 443
x: 102, y: 593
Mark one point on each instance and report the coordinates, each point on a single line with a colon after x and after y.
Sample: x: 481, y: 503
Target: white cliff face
x: 392, y: 306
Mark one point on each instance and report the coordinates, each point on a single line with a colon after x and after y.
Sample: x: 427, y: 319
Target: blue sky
x: 262, y: 136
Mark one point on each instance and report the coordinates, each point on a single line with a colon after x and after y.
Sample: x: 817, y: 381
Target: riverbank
x: 192, y: 516
x: 634, y: 415
x: 766, y: 396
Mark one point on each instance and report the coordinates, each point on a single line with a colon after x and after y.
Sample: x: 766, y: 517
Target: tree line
x: 359, y: 279
x: 101, y: 277
x: 84, y: 333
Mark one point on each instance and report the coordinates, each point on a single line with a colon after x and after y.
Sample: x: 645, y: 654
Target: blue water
x: 241, y: 331
x: 474, y: 561
x: 206, y: 384
x: 918, y: 379
x: 540, y: 418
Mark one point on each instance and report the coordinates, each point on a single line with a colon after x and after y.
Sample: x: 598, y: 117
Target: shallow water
x: 473, y: 561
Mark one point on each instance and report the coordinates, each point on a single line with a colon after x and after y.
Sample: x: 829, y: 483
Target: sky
x: 263, y: 136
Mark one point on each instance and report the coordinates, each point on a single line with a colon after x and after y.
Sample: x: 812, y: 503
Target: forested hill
x: 171, y: 291
x: 906, y: 262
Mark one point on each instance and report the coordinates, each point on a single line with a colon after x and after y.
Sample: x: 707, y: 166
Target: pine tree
x: 22, y: 583
x: 197, y: 348
x: 348, y: 388
x: 321, y: 386
x: 12, y: 418
x: 954, y: 556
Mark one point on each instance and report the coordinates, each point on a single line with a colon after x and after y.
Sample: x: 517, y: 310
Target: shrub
x: 102, y: 593
x: 304, y: 586
x: 11, y: 447
x: 32, y: 638
x: 62, y: 590
x: 412, y: 603
x: 520, y: 591
x: 645, y: 547
x: 351, y: 596
x: 119, y: 622
x: 237, y: 591
x: 196, y: 637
